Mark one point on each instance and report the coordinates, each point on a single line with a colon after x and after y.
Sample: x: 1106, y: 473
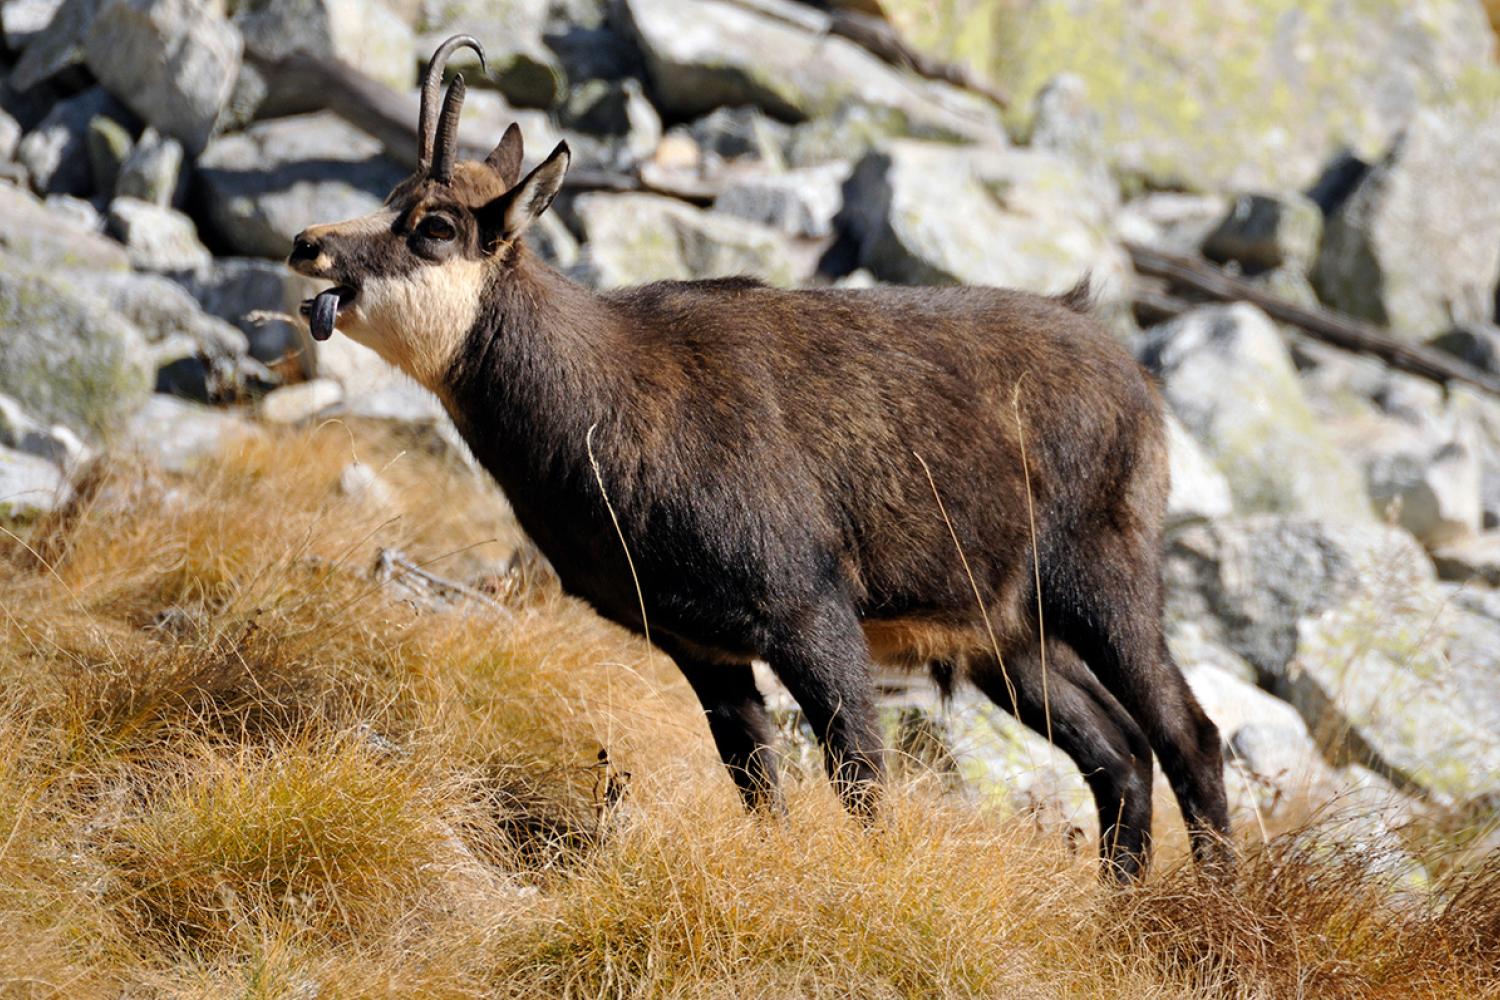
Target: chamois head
x: 408, y: 279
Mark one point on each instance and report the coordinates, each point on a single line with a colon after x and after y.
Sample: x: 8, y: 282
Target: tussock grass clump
x: 233, y: 763
x: 701, y: 900
x: 1310, y: 917
x: 331, y: 833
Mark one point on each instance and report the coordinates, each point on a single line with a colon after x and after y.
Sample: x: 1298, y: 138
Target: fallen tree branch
x: 1199, y: 276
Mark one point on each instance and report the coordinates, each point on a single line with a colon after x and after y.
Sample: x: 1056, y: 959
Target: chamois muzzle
x: 309, y: 257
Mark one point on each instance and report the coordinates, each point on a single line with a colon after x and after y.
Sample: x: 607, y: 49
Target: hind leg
x: 1090, y: 726
x: 1114, y: 623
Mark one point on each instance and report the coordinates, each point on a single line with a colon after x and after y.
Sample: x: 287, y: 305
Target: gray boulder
x: 521, y: 65
x: 359, y: 370
x: 1007, y: 765
x: 76, y: 212
x: 173, y: 62
x: 1425, y: 474
x: 261, y: 298
x: 931, y: 213
x: 196, y: 355
x: 616, y: 110
x: 162, y: 310
x: 12, y: 172
x: 1171, y: 220
x: 1230, y: 380
x: 295, y: 404
x: 745, y: 131
x: 108, y: 144
x: 1233, y: 95
x: 634, y: 238
x: 268, y: 184
x: 56, y: 151
x: 1416, y: 247
x: 1273, y: 764
x: 1198, y: 643
x: 29, y: 486
x: 177, y: 434
x: 1385, y: 679
x: 373, y: 390
x: 1471, y: 650
x: 1262, y: 232
x: 10, y: 135
x: 1341, y: 385
x: 1470, y: 560
x: 32, y: 233
x: 1249, y: 580
x: 20, y: 431
x: 55, y: 47
x: 365, y: 34
x: 846, y: 134
x: 702, y: 54
x: 799, y: 203
x: 554, y: 243
x: 1476, y: 343
x: 1481, y: 412
x: 1348, y: 624
x: 65, y: 356
x: 1426, y: 453
x: 156, y: 237
x: 1064, y: 122
x: 362, y: 483
x: 21, y: 21
x: 1199, y: 489
x: 153, y: 170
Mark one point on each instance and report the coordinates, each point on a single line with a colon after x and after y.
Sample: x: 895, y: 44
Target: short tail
x: 1079, y: 298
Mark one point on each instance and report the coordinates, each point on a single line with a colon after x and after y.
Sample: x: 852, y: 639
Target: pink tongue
x: 325, y: 309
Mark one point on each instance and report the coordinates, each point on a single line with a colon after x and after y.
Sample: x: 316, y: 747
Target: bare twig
x: 393, y: 565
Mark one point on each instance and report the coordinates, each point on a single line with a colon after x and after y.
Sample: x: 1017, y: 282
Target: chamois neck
x: 541, y: 365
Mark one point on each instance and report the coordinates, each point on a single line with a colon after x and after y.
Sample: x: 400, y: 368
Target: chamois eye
x: 435, y: 227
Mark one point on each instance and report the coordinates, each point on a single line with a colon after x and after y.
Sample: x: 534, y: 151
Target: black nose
x: 304, y: 250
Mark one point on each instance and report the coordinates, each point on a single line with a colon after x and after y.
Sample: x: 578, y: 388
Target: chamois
x: 931, y: 477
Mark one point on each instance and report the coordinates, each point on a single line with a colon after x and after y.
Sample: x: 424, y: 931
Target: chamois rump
x: 816, y: 478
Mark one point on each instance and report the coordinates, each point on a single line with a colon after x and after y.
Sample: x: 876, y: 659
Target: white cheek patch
x: 417, y: 321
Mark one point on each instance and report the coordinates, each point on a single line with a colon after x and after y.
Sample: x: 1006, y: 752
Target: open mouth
x: 322, y: 310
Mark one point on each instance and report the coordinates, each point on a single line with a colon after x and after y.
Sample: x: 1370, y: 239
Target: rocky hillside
x: 1336, y: 515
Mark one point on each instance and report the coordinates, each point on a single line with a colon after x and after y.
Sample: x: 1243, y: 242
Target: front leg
x: 740, y: 725
x: 822, y: 658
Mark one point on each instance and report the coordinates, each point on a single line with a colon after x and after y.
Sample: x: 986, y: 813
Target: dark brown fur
x: 776, y: 461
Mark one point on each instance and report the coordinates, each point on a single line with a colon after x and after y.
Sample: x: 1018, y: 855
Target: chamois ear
x: 507, y: 216
x: 505, y: 158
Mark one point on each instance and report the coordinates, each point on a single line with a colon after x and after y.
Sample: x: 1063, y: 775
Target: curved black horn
x: 445, y: 146
x: 432, y: 79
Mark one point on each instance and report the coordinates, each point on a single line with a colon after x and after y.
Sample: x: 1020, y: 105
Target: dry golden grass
x: 233, y: 765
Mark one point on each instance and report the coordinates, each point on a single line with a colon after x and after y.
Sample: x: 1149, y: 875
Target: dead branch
x: 425, y: 589
x: 1203, y: 278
